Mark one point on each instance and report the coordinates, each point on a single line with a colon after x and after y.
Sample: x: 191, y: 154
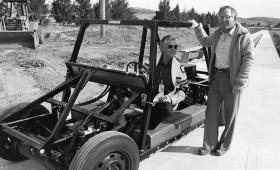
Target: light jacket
x: 241, y: 53
x: 177, y: 70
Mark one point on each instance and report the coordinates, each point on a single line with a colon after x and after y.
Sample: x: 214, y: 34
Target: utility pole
x: 102, y: 16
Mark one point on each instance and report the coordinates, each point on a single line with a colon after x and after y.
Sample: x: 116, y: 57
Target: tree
x: 208, y: 18
x: 203, y: 19
x: 84, y: 10
x: 165, y: 14
x: 175, y: 14
x: 277, y: 25
x: 164, y: 10
x: 62, y: 11
x: 107, y: 9
x: 39, y: 8
x: 194, y: 15
x: 120, y: 10
x: 216, y: 20
x: 3, y: 8
x: 184, y: 16
x: 244, y: 24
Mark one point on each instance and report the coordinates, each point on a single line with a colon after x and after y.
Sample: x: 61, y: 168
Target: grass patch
x: 276, y: 40
x: 31, y: 63
x: 257, y: 39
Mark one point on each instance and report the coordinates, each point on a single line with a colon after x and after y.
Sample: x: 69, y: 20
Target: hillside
x: 264, y: 21
x: 139, y: 10
x: 143, y: 13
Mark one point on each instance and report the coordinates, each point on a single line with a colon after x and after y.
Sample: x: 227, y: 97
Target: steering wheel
x: 138, y: 69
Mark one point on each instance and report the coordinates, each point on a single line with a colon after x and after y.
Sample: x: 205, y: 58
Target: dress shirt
x: 223, y: 49
x: 163, y: 73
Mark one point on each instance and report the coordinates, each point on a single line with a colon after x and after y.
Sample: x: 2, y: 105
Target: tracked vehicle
x: 18, y: 26
x: 64, y: 134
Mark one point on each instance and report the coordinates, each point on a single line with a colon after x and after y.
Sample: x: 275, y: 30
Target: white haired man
x: 230, y: 63
x: 170, y: 80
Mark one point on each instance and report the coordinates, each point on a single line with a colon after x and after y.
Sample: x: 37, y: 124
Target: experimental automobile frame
x: 88, y: 135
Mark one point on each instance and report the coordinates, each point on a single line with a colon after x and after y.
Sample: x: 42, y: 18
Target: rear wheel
x: 9, y: 149
x: 107, y: 150
x: 5, y: 114
x: 8, y: 145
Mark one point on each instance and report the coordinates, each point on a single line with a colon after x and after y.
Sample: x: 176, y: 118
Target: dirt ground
x: 26, y: 74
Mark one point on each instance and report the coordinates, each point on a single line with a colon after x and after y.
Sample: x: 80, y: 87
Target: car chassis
x: 92, y: 137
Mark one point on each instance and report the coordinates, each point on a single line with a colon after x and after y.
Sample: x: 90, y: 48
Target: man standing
x: 231, y: 61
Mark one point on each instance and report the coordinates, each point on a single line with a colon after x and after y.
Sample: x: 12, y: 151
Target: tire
x: 8, y: 151
x: 6, y: 116
x: 107, y: 150
x: 8, y: 148
x: 5, y: 113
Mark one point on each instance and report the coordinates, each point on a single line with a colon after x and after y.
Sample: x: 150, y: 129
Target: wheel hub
x: 113, y: 161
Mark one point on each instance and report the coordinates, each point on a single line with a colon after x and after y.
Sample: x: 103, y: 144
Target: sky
x: 245, y: 8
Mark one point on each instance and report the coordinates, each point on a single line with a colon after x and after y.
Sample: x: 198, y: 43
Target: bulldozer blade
x: 17, y: 39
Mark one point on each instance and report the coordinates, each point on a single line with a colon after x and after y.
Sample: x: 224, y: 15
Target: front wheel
x: 107, y: 150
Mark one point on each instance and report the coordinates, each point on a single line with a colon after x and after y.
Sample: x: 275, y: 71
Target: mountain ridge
x: 262, y: 21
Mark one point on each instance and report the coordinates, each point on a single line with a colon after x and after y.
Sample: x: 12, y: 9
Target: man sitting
x: 170, y: 81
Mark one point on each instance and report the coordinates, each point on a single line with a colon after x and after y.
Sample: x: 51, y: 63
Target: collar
x: 231, y: 32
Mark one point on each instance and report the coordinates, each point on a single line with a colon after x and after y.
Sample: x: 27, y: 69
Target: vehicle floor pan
x: 178, y: 123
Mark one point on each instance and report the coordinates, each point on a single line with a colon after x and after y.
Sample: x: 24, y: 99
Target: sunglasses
x: 173, y: 46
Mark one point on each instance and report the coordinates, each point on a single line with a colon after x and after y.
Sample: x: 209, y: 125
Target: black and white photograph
x: 139, y: 84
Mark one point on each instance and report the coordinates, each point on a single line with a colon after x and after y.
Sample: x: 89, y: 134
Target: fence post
x: 102, y: 16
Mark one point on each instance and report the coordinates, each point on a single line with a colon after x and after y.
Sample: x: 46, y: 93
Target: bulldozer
x: 18, y: 25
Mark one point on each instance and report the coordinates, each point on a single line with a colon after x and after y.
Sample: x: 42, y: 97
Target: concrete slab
x: 255, y: 145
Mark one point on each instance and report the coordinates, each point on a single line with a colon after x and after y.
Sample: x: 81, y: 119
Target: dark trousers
x: 160, y: 111
x: 220, y: 91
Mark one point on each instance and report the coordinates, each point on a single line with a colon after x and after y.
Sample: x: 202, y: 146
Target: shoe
x: 203, y: 151
x: 219, y: 152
